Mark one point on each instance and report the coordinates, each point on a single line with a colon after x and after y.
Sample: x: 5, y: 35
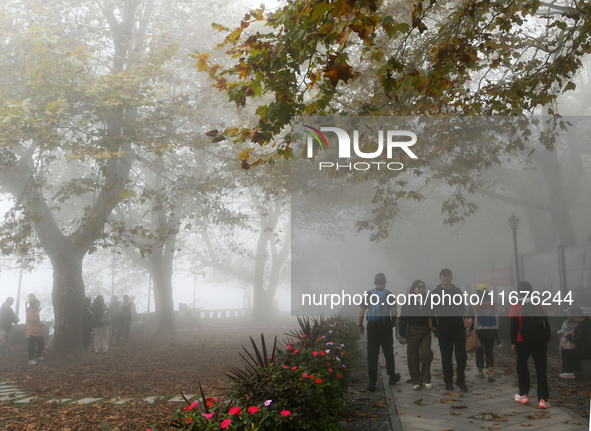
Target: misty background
x: 227, y: 230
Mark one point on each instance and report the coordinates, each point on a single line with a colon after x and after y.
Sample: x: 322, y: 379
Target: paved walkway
x: 487, y: 406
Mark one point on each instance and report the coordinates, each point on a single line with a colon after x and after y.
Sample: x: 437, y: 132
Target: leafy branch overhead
x: 395, y: 58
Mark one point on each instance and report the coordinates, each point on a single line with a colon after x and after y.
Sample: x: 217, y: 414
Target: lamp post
x: 514, y: 222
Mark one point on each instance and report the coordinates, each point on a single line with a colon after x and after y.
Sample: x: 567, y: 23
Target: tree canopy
x: 391, y: 58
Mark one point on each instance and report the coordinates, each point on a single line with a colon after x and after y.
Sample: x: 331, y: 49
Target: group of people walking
x: 453, y: 324
x: 100, y: 323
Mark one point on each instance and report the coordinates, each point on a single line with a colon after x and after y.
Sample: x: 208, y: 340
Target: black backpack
x: 535, y: 328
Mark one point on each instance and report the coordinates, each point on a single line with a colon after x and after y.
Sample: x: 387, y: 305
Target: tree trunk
x: 161, y: 258
x: 68, y: 302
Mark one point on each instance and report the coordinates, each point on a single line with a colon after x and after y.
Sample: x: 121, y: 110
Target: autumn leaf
x: 336, y: 72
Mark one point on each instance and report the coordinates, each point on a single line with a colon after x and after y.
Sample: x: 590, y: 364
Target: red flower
x: 235, y: 411
x: 285, y: 413
x: 318, y: 380
x: 253, y: 409
x: 226, y: 423
x: 339, y: 376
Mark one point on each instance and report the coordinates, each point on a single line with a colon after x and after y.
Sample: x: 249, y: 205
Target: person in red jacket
x: 530, y: 333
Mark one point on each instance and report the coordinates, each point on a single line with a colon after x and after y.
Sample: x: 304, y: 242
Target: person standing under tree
x: 102, y: 322
x: 381, y: 318
x: 7, y: 319
x: 451, y: 330
x: 34, y: 332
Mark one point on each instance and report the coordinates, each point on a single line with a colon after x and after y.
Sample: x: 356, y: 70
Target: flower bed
x: 302, y: 385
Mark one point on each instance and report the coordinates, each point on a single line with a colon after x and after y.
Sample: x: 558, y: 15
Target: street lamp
x: 514, y: 222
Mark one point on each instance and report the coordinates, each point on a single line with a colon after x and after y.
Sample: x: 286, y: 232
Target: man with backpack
x: 530, y: 333
x: 381, y: 318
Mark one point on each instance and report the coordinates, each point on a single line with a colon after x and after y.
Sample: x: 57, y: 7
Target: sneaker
x: 32, y: 362
x: 491, y: 375
x: 371, y: 387
x: 449, y: 387
x: 394, y: 379
x: 416, y: 387
x: 480, y: 374
x: 567, y: 375
x: 462, y: 387
x: 428, y: 386
x: 521, y: 398
x: 544, y: 404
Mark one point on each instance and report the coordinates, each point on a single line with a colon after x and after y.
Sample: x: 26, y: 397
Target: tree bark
x: 161, y: 258
x: 68, y: 302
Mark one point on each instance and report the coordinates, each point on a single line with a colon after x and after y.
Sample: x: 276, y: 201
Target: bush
x: 298, y: 387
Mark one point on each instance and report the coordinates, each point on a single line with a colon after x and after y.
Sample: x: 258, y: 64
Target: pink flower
x: 226, y: 423
x: 304, y: 374
x: 330, y: 370
x: 268, y: 402
x: 285, y: 413
x: 330, y: 343
x: 285, y: 366
x: 314, y: 353
x: 235, y: 411
x: 294, y: 368
x: 303, y: 335
x: 327, y: 350
x: 253, y: 409
x: 208, y: 415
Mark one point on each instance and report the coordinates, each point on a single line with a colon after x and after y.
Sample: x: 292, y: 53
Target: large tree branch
x: 512, y: 200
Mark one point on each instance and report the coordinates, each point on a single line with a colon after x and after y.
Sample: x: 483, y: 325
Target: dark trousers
x: 36, y: 346
x: 86, y: 337
x: 570, y: 361
x: 538, y: 353
x: 379, y: 335
x: 450, y: 339
x: 487, y: 339
x: 418, y: 353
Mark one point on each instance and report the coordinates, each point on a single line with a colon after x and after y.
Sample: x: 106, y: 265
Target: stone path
x: 10, y: 392
x: 487, y: 406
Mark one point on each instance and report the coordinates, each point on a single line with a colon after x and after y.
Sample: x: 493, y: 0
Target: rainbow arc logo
x: 317, y: 135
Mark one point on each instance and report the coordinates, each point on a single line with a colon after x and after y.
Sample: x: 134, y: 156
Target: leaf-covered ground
x: 149, y: 366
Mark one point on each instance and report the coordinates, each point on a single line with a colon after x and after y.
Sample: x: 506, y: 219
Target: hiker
x: 7, y: 319
x: 450, y: 327
x: 34, y: 332
x: 486, y: 327
x: 570, y: 364
x: 530, y: 333
x: 381, y: 318
x: 414, y: 325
